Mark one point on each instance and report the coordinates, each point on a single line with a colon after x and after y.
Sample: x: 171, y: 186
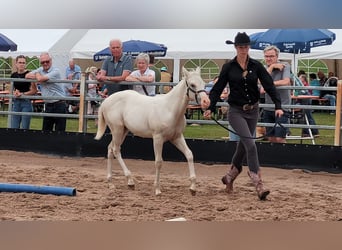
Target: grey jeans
x: 244, y: 124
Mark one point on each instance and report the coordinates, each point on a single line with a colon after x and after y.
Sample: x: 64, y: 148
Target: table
x: 300, y: 97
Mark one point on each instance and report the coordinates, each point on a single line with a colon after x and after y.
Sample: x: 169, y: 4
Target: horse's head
x: 195, y: 87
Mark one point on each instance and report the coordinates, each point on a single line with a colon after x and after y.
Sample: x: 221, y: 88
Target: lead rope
x: 249, y: 137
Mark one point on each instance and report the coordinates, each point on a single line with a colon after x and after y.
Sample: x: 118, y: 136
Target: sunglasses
x: 43, y: 62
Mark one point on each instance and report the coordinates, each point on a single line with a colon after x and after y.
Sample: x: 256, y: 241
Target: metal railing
x: 82, y: 99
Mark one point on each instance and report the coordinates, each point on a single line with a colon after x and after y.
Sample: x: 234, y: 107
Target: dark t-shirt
x: 157, y: 73
x: 21, y: 86
x: 116, y: 69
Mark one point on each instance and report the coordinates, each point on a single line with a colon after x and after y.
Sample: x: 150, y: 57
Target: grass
x: 217, y: 132
x: 205, y: 131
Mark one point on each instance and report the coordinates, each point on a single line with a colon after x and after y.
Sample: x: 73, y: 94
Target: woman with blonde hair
x: 143, y: 74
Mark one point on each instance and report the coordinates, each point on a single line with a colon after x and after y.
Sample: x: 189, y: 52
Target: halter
x: 193, y: 91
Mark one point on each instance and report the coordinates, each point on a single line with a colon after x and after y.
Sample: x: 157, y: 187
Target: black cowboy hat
x: 240, y: 39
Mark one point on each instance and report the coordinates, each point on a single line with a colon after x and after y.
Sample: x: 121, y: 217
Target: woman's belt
x: 247, y: 107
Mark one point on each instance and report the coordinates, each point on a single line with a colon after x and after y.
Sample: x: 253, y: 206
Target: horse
x: 160, y: 117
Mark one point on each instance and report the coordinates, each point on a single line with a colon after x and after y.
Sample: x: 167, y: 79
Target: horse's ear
x: 198, y: 70
x: 185, y: 72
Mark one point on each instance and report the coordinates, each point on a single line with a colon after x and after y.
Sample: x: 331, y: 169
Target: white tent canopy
x: 181, y: 44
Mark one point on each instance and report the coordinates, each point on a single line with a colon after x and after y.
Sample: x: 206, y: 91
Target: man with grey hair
x: 115, y: 68
x: 43, y: 74
x: 281, y: 75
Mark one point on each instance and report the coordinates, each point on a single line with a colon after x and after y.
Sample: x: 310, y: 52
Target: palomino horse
x: 160, y: 117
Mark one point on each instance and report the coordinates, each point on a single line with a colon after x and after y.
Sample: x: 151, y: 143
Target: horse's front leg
x: 180, y: 143
x: 158, y: 149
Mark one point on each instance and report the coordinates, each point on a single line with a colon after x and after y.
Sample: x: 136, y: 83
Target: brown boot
x: 256, y: 179
x: 229, y: 178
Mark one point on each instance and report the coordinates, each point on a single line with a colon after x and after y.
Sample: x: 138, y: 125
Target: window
x: 209, y: 68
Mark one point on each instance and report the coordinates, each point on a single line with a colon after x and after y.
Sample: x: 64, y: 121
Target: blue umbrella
x: 7, y: 44
x: 292, y: 40
x: 134, y: 47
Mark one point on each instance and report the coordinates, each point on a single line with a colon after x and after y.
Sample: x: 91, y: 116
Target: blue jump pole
x: 17, y: 188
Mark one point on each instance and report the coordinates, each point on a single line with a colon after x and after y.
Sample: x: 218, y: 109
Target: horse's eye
x: 193, y: 86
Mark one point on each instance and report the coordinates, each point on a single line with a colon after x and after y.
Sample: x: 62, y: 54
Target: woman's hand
x: 207, y: 114
x: 279, y: 112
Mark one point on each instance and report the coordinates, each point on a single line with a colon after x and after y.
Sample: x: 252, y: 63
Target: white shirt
x: 151, y: 90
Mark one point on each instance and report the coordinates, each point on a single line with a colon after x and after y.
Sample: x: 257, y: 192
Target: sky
x: 34, y: 40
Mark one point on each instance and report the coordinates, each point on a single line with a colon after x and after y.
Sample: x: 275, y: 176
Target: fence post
x: 338, y: 114
x: 10, y: 102
x: 81, y: 118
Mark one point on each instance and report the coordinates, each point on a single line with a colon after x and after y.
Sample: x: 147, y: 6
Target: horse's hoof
x: 193, y: 192
x: 132, y: 187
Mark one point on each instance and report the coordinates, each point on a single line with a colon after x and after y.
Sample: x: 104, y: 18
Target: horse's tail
x: 101, y: 124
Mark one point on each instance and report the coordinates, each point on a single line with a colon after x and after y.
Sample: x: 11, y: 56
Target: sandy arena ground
x: 296, y: 195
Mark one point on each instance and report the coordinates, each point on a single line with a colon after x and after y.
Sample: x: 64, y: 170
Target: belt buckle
x: 246, y: 107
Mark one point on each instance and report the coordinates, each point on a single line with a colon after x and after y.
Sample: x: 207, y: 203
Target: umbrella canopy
x: 7, y: 44
x: 134, y: 47
x: 292, y: 40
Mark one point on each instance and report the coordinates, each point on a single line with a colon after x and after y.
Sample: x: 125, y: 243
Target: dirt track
x: 295, y: 195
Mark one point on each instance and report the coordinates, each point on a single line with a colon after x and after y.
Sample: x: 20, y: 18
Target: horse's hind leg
x: 117, y: 140
x: 158, y: 150
x: 110, y: 158
x: 183, y: 147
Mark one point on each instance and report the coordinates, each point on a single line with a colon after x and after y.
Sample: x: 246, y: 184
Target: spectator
x: 21, y: 89
x: 322, y: 78
x: 315, y: 83
x: 331, y: 74
x: 304, y: 80
x: 307, y: 112
x: 115, y: 68
x: 281, y: 74
x: 165, y: 77
x: 48, y: 89
x: 92, y: 91
x: 154, y: 68
x: 211, y: 84
x: 73, y: 71
x: 102, y: 90
x: 143, y: 74
x: 223, y: 110
x: 330, y: 94
x: 301, y: 72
